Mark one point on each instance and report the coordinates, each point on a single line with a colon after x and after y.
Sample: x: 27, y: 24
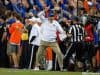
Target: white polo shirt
x: 48, y: 30
x: 35, y: 31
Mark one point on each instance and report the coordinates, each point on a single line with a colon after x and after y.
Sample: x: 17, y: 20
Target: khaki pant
x: 42, y: 51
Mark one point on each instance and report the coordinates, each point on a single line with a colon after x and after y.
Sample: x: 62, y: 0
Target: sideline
x: 89, y: 73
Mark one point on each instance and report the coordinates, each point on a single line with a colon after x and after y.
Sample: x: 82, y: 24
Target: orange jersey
x: 16, y: 32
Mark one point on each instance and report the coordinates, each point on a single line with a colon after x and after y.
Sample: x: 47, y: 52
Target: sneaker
x: 62, y: 70
x: 15, y: 67
x: 49, y: 65
x: 36, y: 69
x: 49, y: 68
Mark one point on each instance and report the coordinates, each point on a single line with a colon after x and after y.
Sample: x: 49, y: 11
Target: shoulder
x: 20, y: 23
x: 13, y: 23
x: 71, y: 26
x: 35, y: 26
x: 56, y: 23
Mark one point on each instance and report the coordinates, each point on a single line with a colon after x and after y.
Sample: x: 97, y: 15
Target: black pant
x: 89, y: 51
x: 77, y: 47
x: 35, y: 49
x: 24, y: 59
x: 4, y: 61
x: 26, y: 54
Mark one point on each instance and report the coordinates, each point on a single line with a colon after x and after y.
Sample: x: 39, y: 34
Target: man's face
x: 51, y: 18
x: 75, y: 22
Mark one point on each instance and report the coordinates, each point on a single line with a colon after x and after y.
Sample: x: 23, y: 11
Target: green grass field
x: 31, y: 72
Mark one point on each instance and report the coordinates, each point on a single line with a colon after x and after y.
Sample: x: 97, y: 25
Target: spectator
x: 15, y: 30
x: 34, y: 40
x: 89, y: 46
x: 3, y: 43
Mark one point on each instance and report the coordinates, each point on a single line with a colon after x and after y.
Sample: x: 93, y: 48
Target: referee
x: 77, y: 32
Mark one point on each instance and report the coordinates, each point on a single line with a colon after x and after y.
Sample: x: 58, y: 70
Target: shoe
x: 62, y: 70
x: 15, y: 67
x: 36, y: 69
x: 49, y: 68
x: 49, y: 65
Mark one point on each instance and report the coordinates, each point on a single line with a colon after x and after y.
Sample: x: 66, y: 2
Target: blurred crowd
x: 80, y: 19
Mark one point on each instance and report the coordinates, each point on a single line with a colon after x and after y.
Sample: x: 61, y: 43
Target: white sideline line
x: 89, y: 73
x: 16, y: 70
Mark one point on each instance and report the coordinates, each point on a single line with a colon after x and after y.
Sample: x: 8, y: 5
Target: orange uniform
x: 49, y: 53
x: 49, y: 58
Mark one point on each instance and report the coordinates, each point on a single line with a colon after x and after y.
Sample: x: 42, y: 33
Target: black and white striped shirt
x: 77, y: 32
